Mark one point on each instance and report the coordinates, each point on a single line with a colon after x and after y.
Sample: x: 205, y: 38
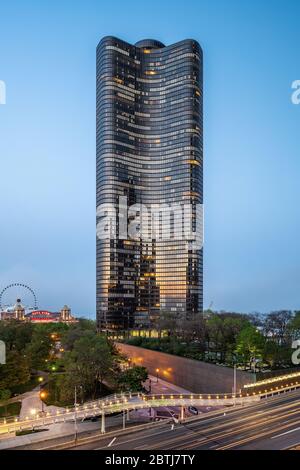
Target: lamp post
x: 234, y: 382
x: 157, y: 371
x: 75, y: 415
x: 43, y: 395
x: 33, y: 414
x: 124, y: 420
x: 234, y: 378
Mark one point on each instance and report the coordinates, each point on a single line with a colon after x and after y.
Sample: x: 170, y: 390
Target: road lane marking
x: 217, y: 435
x: 203, y: 439
x: 240, y: 417
x: 239, y: 429
x: 255, y: 437
x: 111, y: 442
x: 139, y: 437
x: 181, y: 440
x: 284, y: 433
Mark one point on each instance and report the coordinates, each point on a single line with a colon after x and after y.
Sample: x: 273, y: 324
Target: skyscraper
x: 150, y: 152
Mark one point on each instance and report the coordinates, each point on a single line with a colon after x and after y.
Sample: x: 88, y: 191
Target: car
x: 193, y: 410
x: 95, y: 418
x: 88, y: 418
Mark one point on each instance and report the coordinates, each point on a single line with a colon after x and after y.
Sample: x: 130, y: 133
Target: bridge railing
x: 124, y: 401
x: 102, y: 402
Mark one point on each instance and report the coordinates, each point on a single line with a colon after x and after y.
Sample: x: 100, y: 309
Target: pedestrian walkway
x: 32, y: 406
x: 59, y: 430
x: 160, y: 387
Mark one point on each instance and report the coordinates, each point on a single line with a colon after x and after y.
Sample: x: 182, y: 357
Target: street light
x: 43, y: 395
x: 157, y: 371
x: 75, y: 413
x: 234, y: 378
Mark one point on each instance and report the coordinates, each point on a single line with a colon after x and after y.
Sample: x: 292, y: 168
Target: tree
x: 222, y: 332
x: 5, y: 395
x: 16, y: 335
x: 257, y: 319
x: 133, y: 378
x: 250, y: 343
x: 294, y: 326
x: 271, y: 353
x: 16, y: 371
x: 233, y: 324
x: 193, y: 330
x: 76, y: 331
x: 276, y: 325
x: 38, y: 350
x: 214, y: 332
x: 89, y: 364
x: 166, y: 321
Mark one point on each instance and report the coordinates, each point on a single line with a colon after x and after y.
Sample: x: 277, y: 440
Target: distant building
x: 18, y: 312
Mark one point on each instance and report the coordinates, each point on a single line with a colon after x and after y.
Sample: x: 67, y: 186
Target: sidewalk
x: 60, y: 430
x: 32, y: 405
x: 163, y: 387
x: 53, y: 431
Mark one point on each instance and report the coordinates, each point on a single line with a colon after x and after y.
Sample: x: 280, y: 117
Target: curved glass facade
x: 150, y: 152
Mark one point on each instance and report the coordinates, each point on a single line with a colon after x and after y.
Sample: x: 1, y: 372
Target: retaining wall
x: 195, y: 376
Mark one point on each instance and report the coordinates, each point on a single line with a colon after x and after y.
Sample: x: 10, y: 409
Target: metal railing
x: 134, y: 401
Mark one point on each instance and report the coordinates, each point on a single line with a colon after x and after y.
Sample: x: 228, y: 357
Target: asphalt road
x: 271, y: 424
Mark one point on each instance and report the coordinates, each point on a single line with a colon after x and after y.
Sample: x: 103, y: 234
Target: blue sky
x: 252, y: 165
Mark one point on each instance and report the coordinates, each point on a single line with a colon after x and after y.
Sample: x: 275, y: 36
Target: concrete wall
x: 195, y: 376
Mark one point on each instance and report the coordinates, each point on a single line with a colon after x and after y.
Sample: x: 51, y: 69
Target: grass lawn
x: 13, y: 409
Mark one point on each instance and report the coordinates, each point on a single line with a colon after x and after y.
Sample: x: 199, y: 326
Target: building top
x: 18, y: 305
x: 149, y: 44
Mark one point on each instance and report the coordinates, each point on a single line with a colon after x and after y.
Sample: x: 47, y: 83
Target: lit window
x: 118, y: 80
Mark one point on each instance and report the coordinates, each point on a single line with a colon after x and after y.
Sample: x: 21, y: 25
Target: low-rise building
x: 19, y: 312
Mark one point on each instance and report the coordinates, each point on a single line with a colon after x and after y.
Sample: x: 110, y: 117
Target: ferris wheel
x: 18, y: 292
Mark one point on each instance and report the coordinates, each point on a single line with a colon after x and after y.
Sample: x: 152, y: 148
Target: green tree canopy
x: 89, y: 364
x: 250, y: 344
x: 133, y: 378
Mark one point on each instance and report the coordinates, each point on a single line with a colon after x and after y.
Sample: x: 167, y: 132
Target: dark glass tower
x: 150, y: 151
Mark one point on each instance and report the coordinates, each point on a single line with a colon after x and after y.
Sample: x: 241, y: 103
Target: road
x: 270, y: 424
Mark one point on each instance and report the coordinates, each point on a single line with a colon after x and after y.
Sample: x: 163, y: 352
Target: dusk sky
x: 251, y: 135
